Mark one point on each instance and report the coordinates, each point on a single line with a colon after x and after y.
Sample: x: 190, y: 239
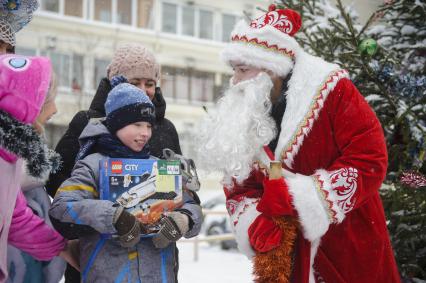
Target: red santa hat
x: 267, y: 42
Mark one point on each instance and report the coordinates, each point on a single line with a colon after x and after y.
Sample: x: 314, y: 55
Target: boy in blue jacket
x: 124, y: 133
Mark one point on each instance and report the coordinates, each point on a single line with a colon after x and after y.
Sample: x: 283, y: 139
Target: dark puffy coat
x: 164, y: 134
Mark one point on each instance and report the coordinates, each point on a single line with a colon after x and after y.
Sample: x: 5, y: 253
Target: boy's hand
x: 128, y: 228
x: 173, y: 226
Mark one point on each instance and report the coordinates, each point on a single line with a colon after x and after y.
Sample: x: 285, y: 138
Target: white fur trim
x: 313, y: 215
x: 314, y: 249
x: 29, y: 182
x: 311, y: 82
x: 258, y: 57
x: 245, y: 219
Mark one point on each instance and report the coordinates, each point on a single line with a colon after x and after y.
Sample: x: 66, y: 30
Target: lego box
x: 145, y: 187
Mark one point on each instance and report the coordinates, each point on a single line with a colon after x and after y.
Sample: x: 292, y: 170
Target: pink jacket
x: 19, y: 225
x: 9, y: 187
x: 31, y: 234
x: 24, y: 82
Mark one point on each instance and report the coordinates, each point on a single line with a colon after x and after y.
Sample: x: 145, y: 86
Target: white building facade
x: 80, y: 37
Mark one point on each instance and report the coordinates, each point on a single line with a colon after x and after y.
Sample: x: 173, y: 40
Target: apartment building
x: 80, y: 37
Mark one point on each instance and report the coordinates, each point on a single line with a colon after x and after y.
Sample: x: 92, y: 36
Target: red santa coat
x: 334, y: 160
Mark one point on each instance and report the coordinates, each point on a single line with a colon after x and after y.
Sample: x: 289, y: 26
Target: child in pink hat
x: 24, y: 82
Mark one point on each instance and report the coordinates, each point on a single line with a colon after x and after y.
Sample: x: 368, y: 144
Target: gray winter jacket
x: 101, y: 259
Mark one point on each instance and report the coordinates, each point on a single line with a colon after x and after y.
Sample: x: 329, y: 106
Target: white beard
x: 230, y: 138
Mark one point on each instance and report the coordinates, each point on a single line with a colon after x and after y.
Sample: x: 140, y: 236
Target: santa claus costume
x: 333, y: 154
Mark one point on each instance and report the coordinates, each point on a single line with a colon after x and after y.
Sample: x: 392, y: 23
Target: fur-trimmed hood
x: 21, y: 140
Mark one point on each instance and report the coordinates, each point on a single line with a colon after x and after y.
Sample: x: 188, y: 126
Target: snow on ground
x: 213, y: 265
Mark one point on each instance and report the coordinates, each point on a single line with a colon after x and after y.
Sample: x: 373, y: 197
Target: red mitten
x: 276, y: 200
x: 263, y: 234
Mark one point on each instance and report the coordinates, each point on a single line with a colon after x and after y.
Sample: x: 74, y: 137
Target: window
x: 175, y: 83
x: 25, y: 51
x: 74, y: 8
x: 169, y: 18
x: 144, y: 13
x: 202, y: 86
x: 124, y: 12
x: 186, y: 139
x: 206, y: 24
x: 100, y: 70
x: 103, y: 10
x: 51, y: 5
x: 223, y: 87
x: 77, y: 73
x: 182, y: 84
x: 60, y: 63
x: 167, y: 81
x: 228, y: 23
x: 188, y: 18
x: 187, y: 84
x: 69, y: 69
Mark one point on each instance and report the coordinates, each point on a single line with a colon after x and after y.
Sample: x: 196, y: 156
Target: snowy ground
x: 213, y: 265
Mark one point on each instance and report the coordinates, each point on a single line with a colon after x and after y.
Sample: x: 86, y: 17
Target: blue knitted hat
x: 127, y: 104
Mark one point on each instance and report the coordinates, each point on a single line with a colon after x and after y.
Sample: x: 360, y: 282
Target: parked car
x: 217, y: 224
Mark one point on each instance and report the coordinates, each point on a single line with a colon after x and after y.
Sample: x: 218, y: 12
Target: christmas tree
x: 386, y: 61
x: 403, y: 30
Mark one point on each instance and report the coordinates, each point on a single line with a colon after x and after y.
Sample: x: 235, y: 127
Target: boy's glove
x: 173, y: 226
x: 264, y: 234
x: 128, y: 228
x: 276, y: 200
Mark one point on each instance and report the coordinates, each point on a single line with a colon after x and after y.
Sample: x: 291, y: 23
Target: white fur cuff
x: 312, y: 214
x: 245, y: 219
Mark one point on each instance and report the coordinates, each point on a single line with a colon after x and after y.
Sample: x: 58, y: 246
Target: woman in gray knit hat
x: 138, y: 65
